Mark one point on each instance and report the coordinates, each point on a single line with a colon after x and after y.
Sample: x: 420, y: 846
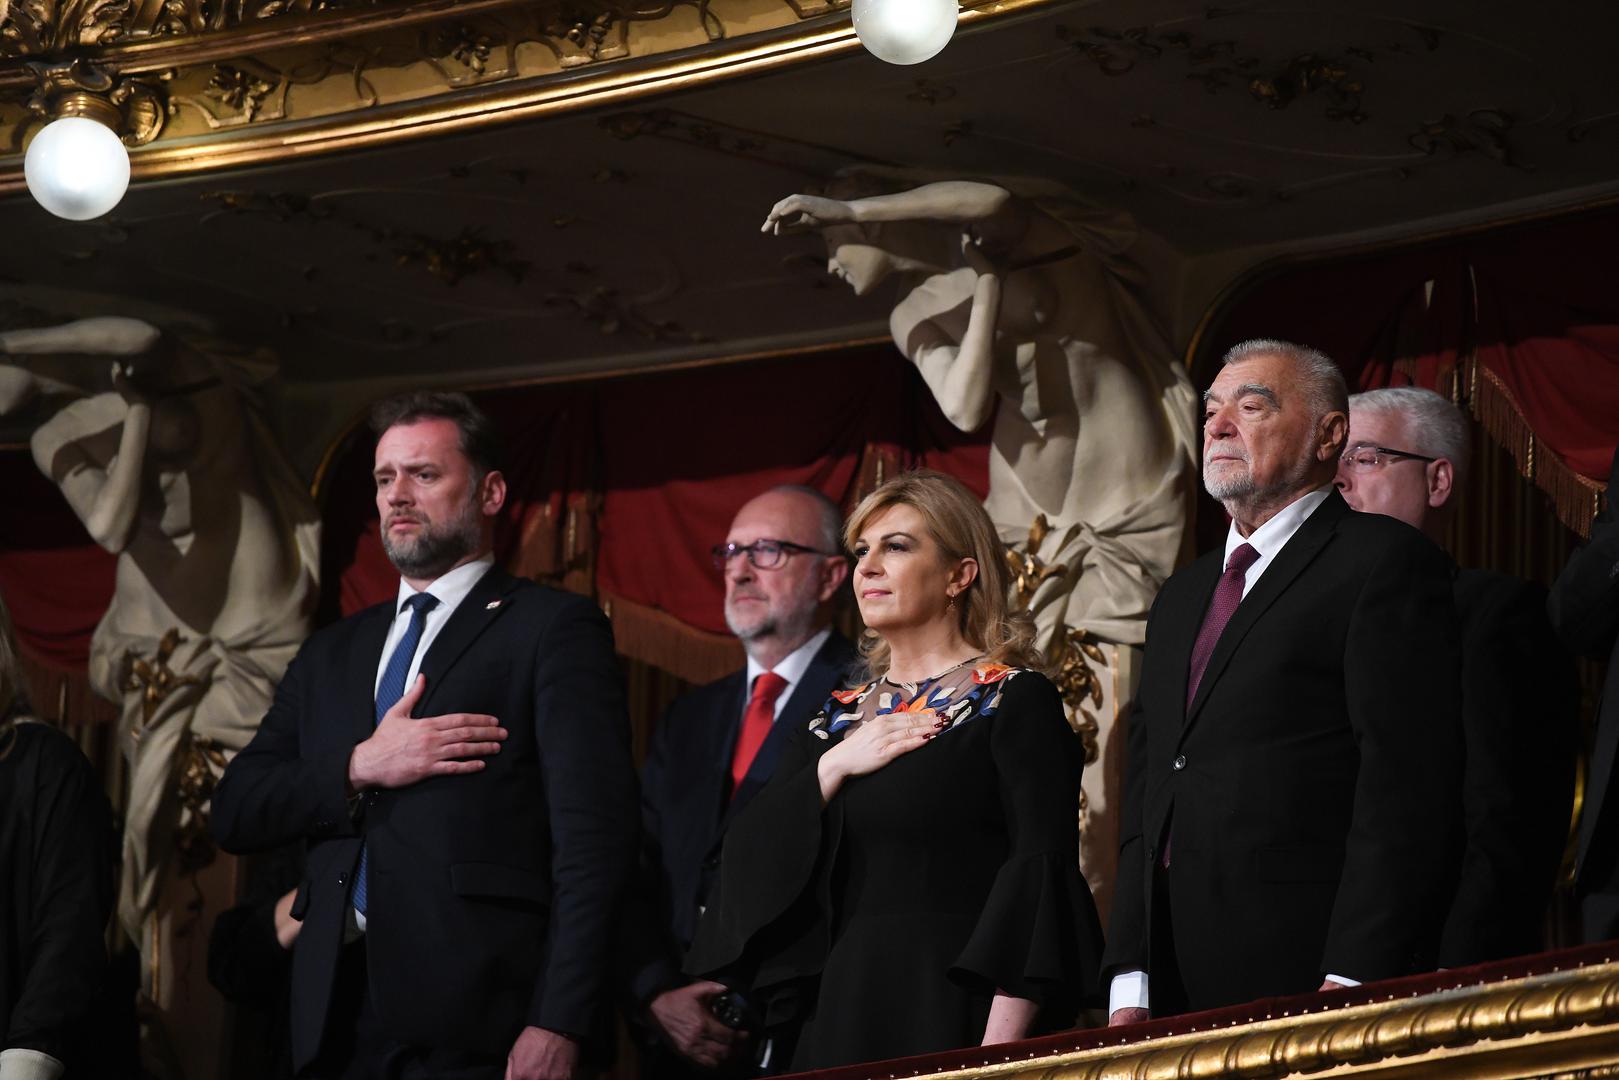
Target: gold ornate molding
x: 263, y: 81
x: 1559, y: 1024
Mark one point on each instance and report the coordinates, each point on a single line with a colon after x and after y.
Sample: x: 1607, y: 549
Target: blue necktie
x: 389, y: 691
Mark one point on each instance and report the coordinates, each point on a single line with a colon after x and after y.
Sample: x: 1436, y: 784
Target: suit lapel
x: 475, y: 614
x: 820, y: 678
x: 370, y: 634
x: 1183, y: 631
x: 1318, y: 529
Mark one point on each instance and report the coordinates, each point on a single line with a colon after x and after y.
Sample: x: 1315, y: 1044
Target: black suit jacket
x: 1520, y: 719
x: 1584, y: 607
x: 491, y: 895
x: 1314, y: 783
x: 686, y: 806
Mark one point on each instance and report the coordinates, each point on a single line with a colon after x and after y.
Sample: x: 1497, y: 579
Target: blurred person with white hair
x: 1408, y: 455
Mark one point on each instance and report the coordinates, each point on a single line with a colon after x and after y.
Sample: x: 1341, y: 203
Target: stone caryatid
x: 1021, y: 303
x: 175, y: 472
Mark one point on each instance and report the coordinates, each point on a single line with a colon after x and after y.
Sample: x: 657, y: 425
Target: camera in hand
x: 735, y: 1011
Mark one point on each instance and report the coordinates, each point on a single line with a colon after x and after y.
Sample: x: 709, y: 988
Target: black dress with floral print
x: 886, y: 920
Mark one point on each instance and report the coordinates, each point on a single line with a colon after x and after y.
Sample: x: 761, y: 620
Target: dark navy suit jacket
x: 493, y: 894
x: 686, y: 805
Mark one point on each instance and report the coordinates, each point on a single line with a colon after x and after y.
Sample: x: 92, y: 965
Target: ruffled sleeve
x: 1038, y: 936
x: 764, y: 923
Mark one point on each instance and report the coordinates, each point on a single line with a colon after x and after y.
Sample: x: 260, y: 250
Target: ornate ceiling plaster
x: 626, y: 235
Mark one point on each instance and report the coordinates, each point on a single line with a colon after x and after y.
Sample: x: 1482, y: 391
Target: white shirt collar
x: 450, y: 588
x: 793, y: 665
x: 1271, y: 537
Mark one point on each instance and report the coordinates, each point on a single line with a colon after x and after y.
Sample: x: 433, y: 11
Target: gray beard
x: 1243, y: 498
x: 438, y: 548
x: 794, y: 626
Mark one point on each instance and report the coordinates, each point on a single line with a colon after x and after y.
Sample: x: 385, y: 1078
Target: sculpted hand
x: 124, y: 382
x: 402, y: 751
x: 873, y: 744
x: 1120, y: 1017
x: 690, y: 1026
x: 797, y: 212
x: 539, y: 1054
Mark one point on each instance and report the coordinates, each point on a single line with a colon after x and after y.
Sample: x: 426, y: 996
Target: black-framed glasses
x: 762, y: 554
x: 1366, y: 458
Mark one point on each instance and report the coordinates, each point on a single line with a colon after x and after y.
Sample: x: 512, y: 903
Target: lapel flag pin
x: 492, y: 605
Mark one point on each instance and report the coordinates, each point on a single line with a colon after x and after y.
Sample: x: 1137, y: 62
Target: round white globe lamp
x: 904, y: 31
x: 77, y: 167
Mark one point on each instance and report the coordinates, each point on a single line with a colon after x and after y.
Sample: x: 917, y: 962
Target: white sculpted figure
x: 175, y: 473
x: 1018, y: 301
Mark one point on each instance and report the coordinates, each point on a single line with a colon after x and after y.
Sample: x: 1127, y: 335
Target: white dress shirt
x: 1129, y: 988
x: 791, y: 668
x: 451, y: 589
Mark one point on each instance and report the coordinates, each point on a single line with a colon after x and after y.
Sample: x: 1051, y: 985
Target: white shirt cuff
x: 1129, y: 991
x: 1342, y: 981
x: 20, y: 1064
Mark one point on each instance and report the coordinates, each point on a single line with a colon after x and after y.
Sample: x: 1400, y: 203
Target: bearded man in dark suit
x: 457, y: 760
x: 1292, y: 800
x: 714, y: 749
x: 1408, y: 454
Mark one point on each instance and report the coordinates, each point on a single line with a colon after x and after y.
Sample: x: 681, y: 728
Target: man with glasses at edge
x: 1408, y: 455
x: 711, y: 753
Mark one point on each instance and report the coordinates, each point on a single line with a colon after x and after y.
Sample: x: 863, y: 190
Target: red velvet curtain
x: 54, y: 578
x: 620, y: 488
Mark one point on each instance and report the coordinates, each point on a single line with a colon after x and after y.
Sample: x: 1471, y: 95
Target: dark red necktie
x: 756, y: 722
x: 1227, y: 595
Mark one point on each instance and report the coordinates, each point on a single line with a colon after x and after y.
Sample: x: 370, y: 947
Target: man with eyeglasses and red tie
x: 711, y: 752
x: 1408, y: 456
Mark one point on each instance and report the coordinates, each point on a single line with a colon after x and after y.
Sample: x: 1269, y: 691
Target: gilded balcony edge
x: 612, y: 83
x: 1564, y: 1020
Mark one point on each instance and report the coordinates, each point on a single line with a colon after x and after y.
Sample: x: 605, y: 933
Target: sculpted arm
x: 107, y: 335
x: 104, y: 494
x: 957, y: 372
x: 103, y: 336
x: 955, y: 202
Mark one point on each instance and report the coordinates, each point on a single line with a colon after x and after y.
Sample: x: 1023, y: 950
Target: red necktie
x: 1227, y: 595
x: 756, y: 722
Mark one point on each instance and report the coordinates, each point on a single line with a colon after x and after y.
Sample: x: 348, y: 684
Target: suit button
x: 322, y: 826
x: 342, y: 879
x: 1180, y: 762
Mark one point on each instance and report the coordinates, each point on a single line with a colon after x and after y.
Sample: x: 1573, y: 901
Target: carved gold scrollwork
x: 197, y: 771
x: 42, y: 27
x: 1566, y: 1022
x: 154, y: 680
x: 1071, y: 652
x: 133, y: 107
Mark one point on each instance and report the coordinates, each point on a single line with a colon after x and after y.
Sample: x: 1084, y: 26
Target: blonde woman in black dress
x: 909, y: 880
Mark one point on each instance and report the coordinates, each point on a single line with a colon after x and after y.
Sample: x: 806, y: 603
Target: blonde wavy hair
x: 959, y: 526
x: 13, y: 697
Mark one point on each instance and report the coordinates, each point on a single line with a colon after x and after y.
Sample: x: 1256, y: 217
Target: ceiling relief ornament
x: 325, y: 75
x: 36, y: 27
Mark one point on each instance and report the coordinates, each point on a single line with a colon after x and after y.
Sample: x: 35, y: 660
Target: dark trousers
x: 1166, y: 991
x: 358, y: 1045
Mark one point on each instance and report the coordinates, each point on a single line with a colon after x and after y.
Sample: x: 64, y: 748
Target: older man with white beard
x: 1291, y: 816
x: 711, y: 753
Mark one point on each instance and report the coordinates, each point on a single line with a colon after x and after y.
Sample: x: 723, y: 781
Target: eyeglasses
x: 763, y: 554
x: 1366, y: 458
